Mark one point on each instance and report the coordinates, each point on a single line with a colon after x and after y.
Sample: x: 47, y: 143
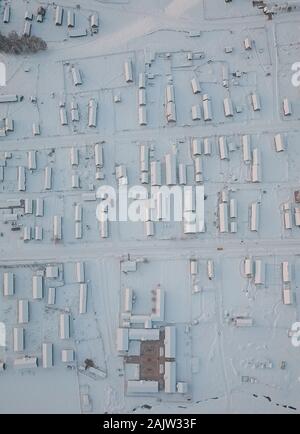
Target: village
x: 149, y: 206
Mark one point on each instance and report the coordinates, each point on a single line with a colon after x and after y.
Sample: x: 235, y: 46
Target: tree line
x: 15, y: 44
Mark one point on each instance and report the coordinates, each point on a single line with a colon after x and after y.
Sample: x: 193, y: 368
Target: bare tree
x: 15, y: 44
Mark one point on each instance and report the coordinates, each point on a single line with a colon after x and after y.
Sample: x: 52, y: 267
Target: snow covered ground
x: 227, y: 368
